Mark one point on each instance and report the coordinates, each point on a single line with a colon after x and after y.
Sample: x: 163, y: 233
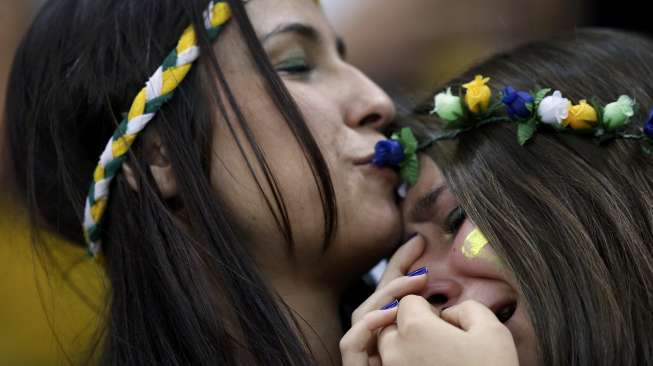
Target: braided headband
x: 158, y: 90
x: 530, y: 111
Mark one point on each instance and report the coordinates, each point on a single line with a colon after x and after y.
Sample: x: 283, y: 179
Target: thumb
x: 414, y: 307
x: 469, y: 315
x: 354, y: 345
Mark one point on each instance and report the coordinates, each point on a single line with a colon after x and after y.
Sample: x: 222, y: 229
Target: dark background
x: 624, y: 14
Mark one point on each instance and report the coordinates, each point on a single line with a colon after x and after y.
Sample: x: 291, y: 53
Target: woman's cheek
x: 473, y: 254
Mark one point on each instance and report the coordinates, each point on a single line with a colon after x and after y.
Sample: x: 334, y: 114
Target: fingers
x: 354, y: 344
x: 388, y: 340
x: 396, y: 289
x: 469, y: 315
x: 480, y: 322
x: 413, y: 309
x: 401, y: 261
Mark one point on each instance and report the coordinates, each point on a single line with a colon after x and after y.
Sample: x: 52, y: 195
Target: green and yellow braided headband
x: 158, y: 90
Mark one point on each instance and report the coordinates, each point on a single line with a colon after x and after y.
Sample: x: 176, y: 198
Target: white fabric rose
x: 554, y: 109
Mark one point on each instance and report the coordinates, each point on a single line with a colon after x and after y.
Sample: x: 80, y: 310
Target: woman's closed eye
x: 294, y: 66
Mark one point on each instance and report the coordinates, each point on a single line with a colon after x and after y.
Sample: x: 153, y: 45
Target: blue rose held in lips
x: 399, y: 152
x: 517, y: 102
x: 388, y: 153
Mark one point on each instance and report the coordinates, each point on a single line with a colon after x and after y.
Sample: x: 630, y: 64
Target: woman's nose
x: 367, y: 105
x: 443, y: 292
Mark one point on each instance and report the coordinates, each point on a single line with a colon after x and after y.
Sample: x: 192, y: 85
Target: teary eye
x: 455, y: 220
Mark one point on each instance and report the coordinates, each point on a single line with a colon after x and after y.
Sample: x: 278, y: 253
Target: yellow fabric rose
x: 581, y: 116
x: 478, y: 94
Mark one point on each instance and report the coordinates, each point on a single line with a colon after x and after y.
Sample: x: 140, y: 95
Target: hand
x: 465, y: 334
x: 358, y: 346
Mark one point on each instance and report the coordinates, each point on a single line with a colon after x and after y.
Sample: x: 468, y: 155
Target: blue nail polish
x: 391, y: 305
x: 418, y: 272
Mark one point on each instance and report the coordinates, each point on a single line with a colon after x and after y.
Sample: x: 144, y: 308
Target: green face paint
x: 474, y: 244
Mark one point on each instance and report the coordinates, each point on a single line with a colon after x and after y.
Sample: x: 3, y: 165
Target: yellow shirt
x: 49, y: 313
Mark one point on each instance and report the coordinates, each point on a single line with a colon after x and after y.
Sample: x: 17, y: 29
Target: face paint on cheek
x: 474, y: 244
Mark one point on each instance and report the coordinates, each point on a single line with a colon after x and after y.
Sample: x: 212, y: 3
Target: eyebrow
x: 304, y: 30
x: 301, y: 29
x: 425, y: 203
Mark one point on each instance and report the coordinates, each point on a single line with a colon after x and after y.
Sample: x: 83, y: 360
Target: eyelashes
x: 294, y: 66
x: 455, y: 220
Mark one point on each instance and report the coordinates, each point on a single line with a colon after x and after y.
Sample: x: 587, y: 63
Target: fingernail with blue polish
x: 391, y: 305
x: 418, y: 272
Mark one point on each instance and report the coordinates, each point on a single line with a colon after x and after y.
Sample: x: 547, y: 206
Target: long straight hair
x: 571, y: 219
x: 178, y: 295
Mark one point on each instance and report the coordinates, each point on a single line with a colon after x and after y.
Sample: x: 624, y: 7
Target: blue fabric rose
x: 648, y: 126
x: 516, y: 102
x: 388, y: 153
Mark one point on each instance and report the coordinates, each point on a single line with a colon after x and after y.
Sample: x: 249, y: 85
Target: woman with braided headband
x: 534, y: 221
x: 219, y: 157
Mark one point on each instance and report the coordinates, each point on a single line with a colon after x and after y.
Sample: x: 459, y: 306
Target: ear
x: 159, y: 165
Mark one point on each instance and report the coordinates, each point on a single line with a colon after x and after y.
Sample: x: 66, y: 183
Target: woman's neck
x: 315, y: 306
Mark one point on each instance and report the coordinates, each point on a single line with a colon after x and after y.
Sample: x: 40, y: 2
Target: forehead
x: 267, y: 15
x: 430, y: 177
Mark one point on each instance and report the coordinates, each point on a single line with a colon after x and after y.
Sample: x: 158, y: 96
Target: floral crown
x: 530, y: 111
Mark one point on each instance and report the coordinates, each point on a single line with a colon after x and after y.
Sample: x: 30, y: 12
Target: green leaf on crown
x: 409, y: 169
x: 540, y: 95
x: 525, y: 131
x: 408, y: 141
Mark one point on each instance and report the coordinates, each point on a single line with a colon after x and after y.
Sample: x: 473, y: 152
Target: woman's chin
x: 376, y: 235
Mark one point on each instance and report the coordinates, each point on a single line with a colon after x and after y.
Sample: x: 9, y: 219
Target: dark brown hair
x: 178, y: 295
x: 571, y: 219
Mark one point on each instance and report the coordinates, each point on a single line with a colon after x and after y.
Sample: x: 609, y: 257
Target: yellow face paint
x: 474, y: 244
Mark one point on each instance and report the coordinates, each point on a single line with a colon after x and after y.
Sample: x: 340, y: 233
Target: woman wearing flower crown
x: 533, y: 213
x: 219, y: 157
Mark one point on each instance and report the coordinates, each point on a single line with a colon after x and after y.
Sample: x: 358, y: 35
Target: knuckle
x: 409, y: 299
x: 357, y: 315
x: 387, y: 338
x: 345, y: 343
x: 412, y: 325
x: 367, y: 317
